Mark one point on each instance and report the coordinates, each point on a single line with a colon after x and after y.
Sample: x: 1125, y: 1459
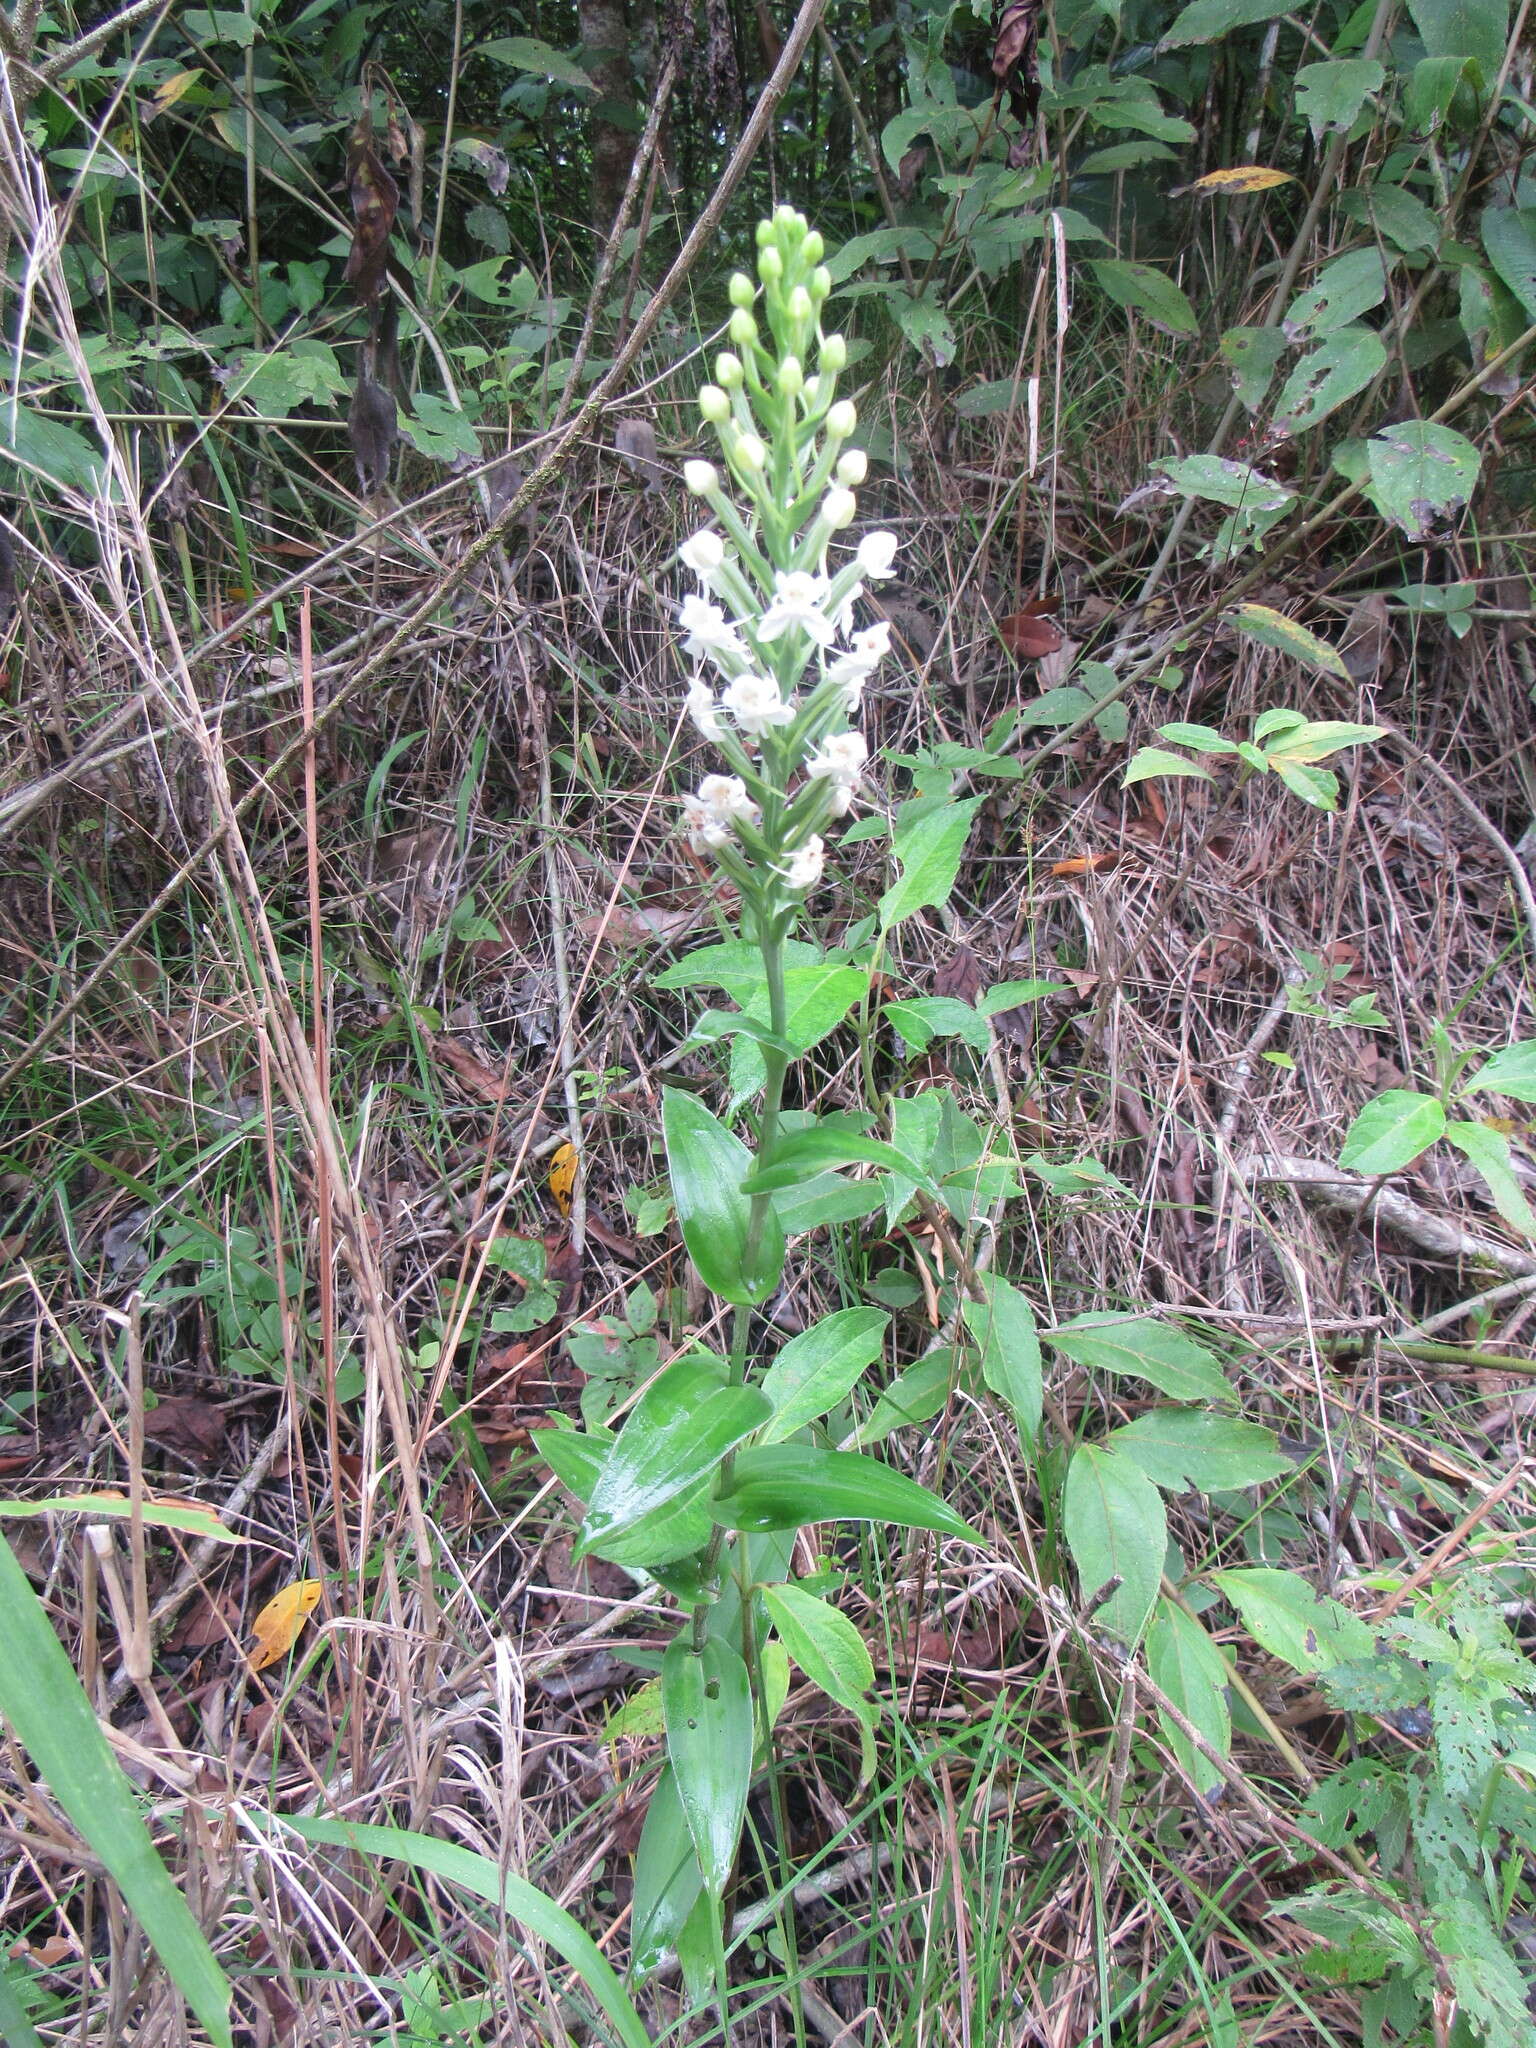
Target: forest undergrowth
x: 346, y: 920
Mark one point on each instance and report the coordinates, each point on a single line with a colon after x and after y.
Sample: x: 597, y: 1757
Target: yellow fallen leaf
x: 1240, y: 178
x: 562, y: 1177
x: 277, y: 1627
x: 169, y: 93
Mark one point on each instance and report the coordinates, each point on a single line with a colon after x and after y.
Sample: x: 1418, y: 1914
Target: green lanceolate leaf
x: 1392, y: 1130
x: 1004, y: 1329
x: 1179, y: 1447
x: 801, y: 1154
x: 1142, y: 289
x: 826, y: 1646
x: 1511, y: 1071
x: 668, y: 1881
x: 820, y: 1367
x: 1273, y: 629
x: 42, y: 1699
x: 1117, y: 1532
x: 677, y: 1432
x: 1189, y: 1668
x: 1488, y: 1151
x: 708, y: 1164
x: 660, y: 1538
x: 1286, y: 1617
x: 707, y: 1700
x: 788, y: 1485
x: 928, y: 851
x: 1139, y: 1345
x: 485, y: 1879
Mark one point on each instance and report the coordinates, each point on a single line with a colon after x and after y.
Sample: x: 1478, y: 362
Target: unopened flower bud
x: 852, y: 468
x: 728, y: 370
x: 770, y: 265
x: 701, y: 478
x: 838, y: 508
x: 787, y: 220
x: 743, y: 328
x: 791, y: 377
x: 749, y: 452
x: 820, y: 286
x: 800, y: 307
x: 813, y: 248
x: 714, y: 404
x: 764, y: 233
x: 742, y: 291
x: 842, y: 418
x: 834, y: 353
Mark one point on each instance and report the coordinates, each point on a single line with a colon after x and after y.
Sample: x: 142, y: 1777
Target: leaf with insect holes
x: 1286, y: 1617
x: 707, y: 1703
x: 1328, y: 377
x: 1421, y: 476
x: 1331, y: 95
x: 277, y: 1627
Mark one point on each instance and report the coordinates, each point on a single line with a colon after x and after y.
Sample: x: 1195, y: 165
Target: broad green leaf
x: 1179, y: 1447
x: 1509, y: 236
x: 676, y: 1433
x: 1116, y: 1529
x: 1467, y: 29
x: 1189, y: 1668
x: 1328, y: 377
x: 60, y: 453
x: 1012, y: 995
x: 817, y: 997
x: 1148, y: 762
x: 929, y: 852
x: 668, y: 1881
x: 43, y: 1701
x: 707, y: 1700
x: 1225, y: 482
x: 1488, y: 1151
x: 1392, y: 1130
x: 708, y: 1164
x: 1421, y: 475
x: 1319, y: 786
x: 191, y: 1517
x: 1273, y: 629
x: 882, y: 245
x: 1200, y: 739
x: 787, y: 1485
x: 799, y: 1155
x: 1511, y: 1071
x: 439, y: 430
x: 825, y: 1644
x: 1390, y: 211
x: 922, y: 1019
x: 1346, y: 288
x: 1286, y: 1617
x: 926, y: 325
x: 1143, y: 1348
x: 1004, y: 1329
x: 275, y: 384
x: 1121, y: 156
x: 1204, y: 21
x: 1432, y: 87
x: 677, y: 1530
x: 821, y: 1367
x: 914, y: 1396
x: 1142, y: 289
x: 1255, y: 354
x: 528, y: 53
x: 735, y: 965
x: 484, y: 1879
x: 1315, y: 739
x: 827, y: 1199
x: 1331, y: 95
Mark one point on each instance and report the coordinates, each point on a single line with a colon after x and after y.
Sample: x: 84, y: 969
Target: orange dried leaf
x: 562, y: 1176
x: 277, y: 1627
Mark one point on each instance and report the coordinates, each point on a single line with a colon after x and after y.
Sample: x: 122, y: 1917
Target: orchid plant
x: 720, y: 1459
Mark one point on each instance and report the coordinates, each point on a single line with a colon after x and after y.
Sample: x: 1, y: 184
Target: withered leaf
x: 1015, y: 68
x: 373, y: 429
x: 375, y: 201
x: 276, y: 1628
x: 959, y: 976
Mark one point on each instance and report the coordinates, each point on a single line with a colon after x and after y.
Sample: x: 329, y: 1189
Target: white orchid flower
x: 756, y: 703
x: 703, y: 710
x: 705, y: 830
x: 839, y: 759
x: 799, y: 599
x: 725, y: 797
x: 710, y: 632
x: 877, y: 555
x: 805, y: 865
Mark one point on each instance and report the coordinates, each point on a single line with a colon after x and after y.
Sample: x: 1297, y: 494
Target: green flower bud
x: 788, y: 222
x: 743, y: 328
x: 791, y: 377
x: 749, y: 452
x: 770, y: 266
x: 714, y: 404
x: 813, y: 248
x: 728, y: 370
x: 799, y: 307
x: 834, y: 353
x: 821, y: 284
x: 742, y: 290
x: 842, y: 418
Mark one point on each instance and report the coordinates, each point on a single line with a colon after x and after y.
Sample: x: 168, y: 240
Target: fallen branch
x: 1348, y: 1195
